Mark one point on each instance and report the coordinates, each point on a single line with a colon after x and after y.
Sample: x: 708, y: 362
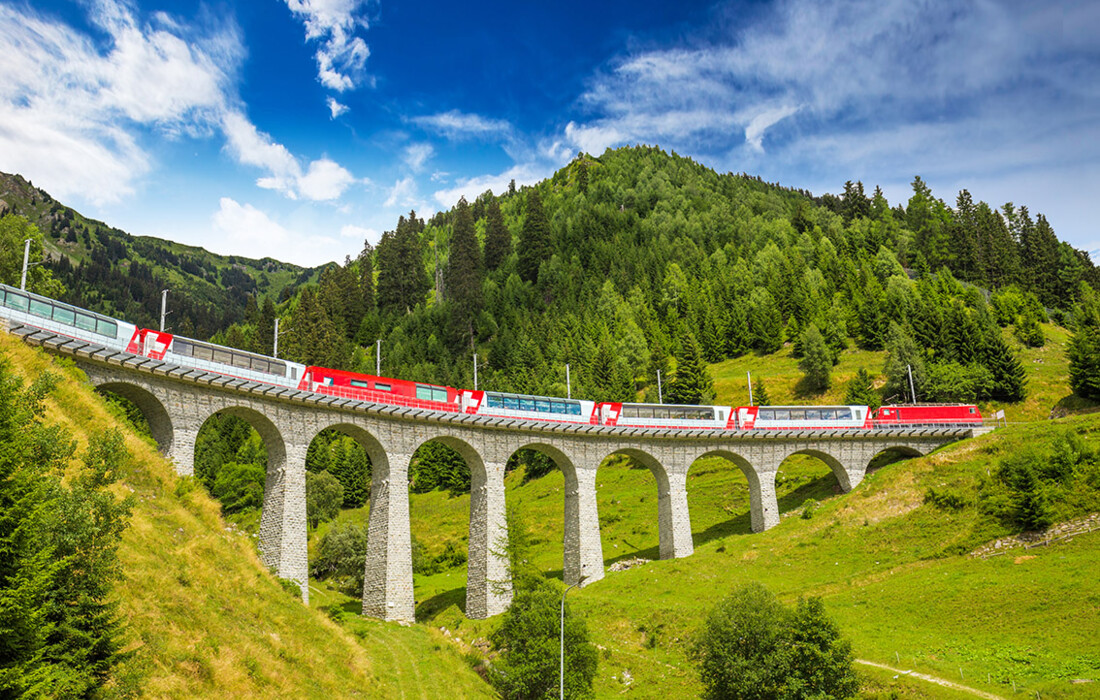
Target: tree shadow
x: 1073, y: 405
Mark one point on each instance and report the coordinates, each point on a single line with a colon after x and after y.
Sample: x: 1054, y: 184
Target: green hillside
x: 204, y: 618
x: 113, y: 272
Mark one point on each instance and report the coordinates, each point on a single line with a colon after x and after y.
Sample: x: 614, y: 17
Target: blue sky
x: 297, y: 128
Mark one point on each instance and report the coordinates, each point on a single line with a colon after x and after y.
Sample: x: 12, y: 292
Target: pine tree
x: 464, y: 274
x: 534, y: 239
x: 817, y: 361
x: 902, y: 354
x: 765, y: 322
x: 692, y: 383
x: 760, y: 393
x: 402, y: 278
x: 861, y: 391
x: 264, y: 336
x: 313, y: 337
x: 1009, y: 377
x: 498, y: 239
x: 366, y: 276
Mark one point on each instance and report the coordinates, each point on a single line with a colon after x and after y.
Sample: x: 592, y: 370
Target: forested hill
x: 638, y: 261
x: 110, y: 271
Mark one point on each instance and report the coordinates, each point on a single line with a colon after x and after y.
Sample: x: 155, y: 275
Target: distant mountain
x: 116, y: 273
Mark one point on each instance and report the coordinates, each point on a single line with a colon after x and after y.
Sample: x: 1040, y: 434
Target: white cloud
x: 335, y: 108
x: 325, y: 180
x: 459, y: 125
x: 470, y: 188
x: 243, y: 229
x: 359, y: 233
x: 341, y: 56
x: 417, y: 154
x: 403, y: 194
x: 74, y: 111
x: 69, y: 111
x: 754, y: 132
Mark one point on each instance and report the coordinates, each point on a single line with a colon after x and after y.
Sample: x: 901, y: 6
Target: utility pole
x: 749, y: 374
x: 275, y: 347
x: 26, y: 259
x: 912, y: 391
x: 660, y: 395
x: 475, y: 371
x: 568, y: 385
x: 378, y: 358
x: 163, y: 307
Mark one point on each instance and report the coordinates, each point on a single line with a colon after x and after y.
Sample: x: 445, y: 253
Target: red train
x: 388, y: 390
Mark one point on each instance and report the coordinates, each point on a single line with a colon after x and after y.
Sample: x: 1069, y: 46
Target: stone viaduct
x: 176, y: 401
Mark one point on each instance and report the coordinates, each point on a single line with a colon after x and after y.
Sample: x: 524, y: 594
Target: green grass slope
x: 206, y: 619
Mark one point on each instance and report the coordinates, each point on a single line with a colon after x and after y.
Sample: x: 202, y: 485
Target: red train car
x: 367, y: 387
x: 932, y: 415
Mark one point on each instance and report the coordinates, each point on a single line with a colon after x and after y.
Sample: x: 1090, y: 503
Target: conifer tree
x: 1009, y: 377
x: 760, y: 393
x: 498, y: 239
x: 264, y: 337
x: 366, y: 276
x: 902, y: 353
x: 817, y: 361
x: 861, y: 391
x: 534, y: 239
x: 464, y: 274
x: 692, y: 383
x: 313, y: 338
x: 402, y: 277
x: 765, y: 322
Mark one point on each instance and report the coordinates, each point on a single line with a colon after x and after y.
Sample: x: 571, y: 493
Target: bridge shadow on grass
x: 819, y: 489
x: 741, y: 525
x: 428, y: 609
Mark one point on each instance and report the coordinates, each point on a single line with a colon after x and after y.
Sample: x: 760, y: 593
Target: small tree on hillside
x: 861, y: 391
x: 692, y: 383
x: 528, y: 638
x: 752, y: 646
x: 760, y: 394
x: 902, y: 353
x: 324, y: 496
x: 817, y: 361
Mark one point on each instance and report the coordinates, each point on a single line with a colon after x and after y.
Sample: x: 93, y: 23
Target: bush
x: 342, y: 556
x: 528, y: 638
x: 324, y: 496
x: 239, y: 487
x: 753, y: 647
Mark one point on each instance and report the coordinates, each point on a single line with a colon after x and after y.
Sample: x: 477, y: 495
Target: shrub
x: 324, y: 496
x: 239, y: 487
x: 528, y: 638
x: 342, y: 555
x: 753, y: 647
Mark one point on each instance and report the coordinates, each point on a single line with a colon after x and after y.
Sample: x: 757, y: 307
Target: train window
x: 222, y: 356
x: 360, y: 383
x: 575, y: 409
x: 557, y: 407
x: 439, y: 394
x: 511, y: 403
x: 971, y: 409
x: 242, y: 361
x: 423, y: 393
x: 542, y: 406
x: 766, y: 414
x: 813, y: 414
x: 721, y: 415
x: 782, y: 414
x: 379, y: 386
x: 844, y: 414
x: 15, y: 301
x: 85, y: 322
x: 494, y: 401
x: 64, y: 315
x: 41, y: 308
x: 527, y: 404
x: 797, y: 414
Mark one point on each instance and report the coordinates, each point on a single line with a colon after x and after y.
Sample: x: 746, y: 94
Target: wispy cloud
x: 69, y: 110
x: 74, y: 112
x: 335, y: 108
x: 404, y: 193
x: 341, y: 55
x: 417, y: 154
x: 470, y: 188
x: 805, y: 69
x: 246, y: 230
x: 458, y: 125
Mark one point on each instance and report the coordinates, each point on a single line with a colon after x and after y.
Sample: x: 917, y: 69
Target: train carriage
x: 232, y: 362
x: 648, y: 415
x: 803, y: 417
x: 495, y: 403
x: 368, y: 387
x: 42, y: 312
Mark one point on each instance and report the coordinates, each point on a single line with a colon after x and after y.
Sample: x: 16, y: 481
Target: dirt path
x: 933, y: 679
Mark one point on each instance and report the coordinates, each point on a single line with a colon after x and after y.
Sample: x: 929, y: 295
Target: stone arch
x: 488, y: 586
x: 763, y: 508
x: 269, y: 432
x: 370, y: 444
x: 847, y: 476
x: 673, y: 523
x: 892, y: 453
x: 152, y: 409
